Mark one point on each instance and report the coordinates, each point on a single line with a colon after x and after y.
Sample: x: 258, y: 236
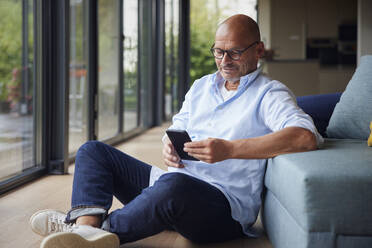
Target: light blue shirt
x: 259, y: 107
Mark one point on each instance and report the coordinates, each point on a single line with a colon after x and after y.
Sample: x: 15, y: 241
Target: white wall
x: 364, y: 28
x: 307, y: 78
x: 264, y: 21
x: 286, y: 24
x: 288, y: 28
x: 323, y: 17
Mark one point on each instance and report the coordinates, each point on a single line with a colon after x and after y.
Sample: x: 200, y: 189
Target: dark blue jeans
x: 197, y: 210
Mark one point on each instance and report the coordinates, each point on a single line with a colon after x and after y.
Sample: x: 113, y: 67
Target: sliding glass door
x: 171, y: 57
x: 108, y: 69
x: 130, y: 64
x: 78, y: 75
x: 19, y: 101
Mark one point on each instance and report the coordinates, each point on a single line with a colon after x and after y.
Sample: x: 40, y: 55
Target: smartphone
x: 178, y: 139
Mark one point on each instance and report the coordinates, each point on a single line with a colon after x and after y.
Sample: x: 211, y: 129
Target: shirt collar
x: 244, y: 80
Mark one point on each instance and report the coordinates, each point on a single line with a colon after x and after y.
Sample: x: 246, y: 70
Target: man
x: 237, y: 118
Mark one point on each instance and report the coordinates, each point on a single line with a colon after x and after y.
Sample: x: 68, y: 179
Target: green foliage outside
x: 204, y: 18
x: 130, y: 93
x: 76, y: 36
x: 11, y: 45
x: 10, y: 42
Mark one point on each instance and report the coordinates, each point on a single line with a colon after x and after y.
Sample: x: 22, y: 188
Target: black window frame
x: 52, y: 40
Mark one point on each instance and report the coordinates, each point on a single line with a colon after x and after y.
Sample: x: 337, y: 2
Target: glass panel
x: 78, y: 74
x: 175, y: 29
x: 204, y: 18
x: 145, y: 44
x: 108, y: 84
x: 130, y: 63
x: 171, y: 57
x: 17, y: 146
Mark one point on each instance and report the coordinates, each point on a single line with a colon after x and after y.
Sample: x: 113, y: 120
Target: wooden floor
x: 54, y: 192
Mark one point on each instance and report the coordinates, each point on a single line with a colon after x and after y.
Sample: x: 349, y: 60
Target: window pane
x: 171, y: 53
x: 169, y: 59
x: 17, y: 145
x: 130, y: 63
x: 108, y: 84
x: 146, y: 69
x: 78, y: 76
x: 175, y: 32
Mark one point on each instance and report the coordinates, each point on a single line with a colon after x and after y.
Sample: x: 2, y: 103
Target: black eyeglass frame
x: 239, y: 52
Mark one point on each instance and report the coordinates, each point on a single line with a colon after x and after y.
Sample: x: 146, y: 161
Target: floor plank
x: 55, y: 191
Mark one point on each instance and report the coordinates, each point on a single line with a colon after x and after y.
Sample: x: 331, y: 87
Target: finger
x: 169, y: 148
x: 195, y: 144
x: 172, y: 157
x: 196, y: 150
x: 173, y: 164
x: 177, y: 157
x: 201, y: 157
x: 173, y: 152
x: 166, y: 152
x: 166, y: 140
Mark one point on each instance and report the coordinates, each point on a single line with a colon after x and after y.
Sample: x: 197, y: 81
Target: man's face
x: 231, y: 70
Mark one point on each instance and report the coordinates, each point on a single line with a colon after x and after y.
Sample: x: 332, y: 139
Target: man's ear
x: 260, y: 50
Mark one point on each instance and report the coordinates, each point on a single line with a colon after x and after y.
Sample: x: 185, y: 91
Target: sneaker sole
x: 73, y: 240
x: 38, y: 212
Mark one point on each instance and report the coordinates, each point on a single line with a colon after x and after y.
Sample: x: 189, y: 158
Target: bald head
x: 240, y: 27
x: 238, y: 46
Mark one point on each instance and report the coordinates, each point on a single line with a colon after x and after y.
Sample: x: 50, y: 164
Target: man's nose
x: 226, y: 58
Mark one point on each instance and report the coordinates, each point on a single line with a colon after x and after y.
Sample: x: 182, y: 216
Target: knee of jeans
x: 89, y: 146
x: 88, y: 149
x: 175, y: 184
x: 92, y: 145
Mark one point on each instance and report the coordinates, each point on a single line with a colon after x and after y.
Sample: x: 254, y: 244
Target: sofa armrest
x: 320, y: 198
x: 320, y: 108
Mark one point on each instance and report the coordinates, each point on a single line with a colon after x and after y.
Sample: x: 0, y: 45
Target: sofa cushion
x: 320, y: 108
x: 353, y: 113
x: 328, y: 189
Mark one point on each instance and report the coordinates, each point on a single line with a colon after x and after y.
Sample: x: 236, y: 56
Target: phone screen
x: 178, y: 139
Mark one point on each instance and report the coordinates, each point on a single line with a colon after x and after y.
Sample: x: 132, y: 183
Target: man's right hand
x: 170, y: 155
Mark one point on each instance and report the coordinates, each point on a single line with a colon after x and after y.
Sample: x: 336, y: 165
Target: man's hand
x: 170, y: 155
x: 210, y: 150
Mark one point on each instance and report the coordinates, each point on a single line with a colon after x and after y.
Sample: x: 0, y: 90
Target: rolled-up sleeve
x: 279, y: 110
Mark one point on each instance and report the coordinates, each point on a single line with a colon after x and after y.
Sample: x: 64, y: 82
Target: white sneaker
x: 64, y: 235
x: 82, y: 237
x: 49, y: 221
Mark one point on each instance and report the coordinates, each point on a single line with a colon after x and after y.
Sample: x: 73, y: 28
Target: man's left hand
x: 210, y: 150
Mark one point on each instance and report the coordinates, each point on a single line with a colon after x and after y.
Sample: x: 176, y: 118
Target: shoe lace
x: 56, y: 224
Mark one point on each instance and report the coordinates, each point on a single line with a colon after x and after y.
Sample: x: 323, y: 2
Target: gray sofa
x: 323, y: 198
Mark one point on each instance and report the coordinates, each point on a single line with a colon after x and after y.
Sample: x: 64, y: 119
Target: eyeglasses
x: 234, y: 54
